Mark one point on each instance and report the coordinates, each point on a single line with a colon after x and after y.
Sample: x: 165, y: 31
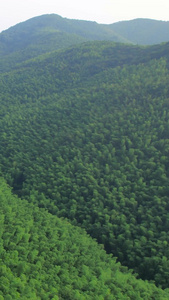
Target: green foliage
x: 43, y: 257
x: 143, y: 31
x: 84, y: 135
x: 48, y: 33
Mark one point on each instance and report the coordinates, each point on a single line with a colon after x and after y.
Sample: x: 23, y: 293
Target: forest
x: 84, y: 166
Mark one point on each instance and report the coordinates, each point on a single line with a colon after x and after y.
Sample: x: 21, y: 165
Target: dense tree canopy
x: 84, y: 135
x: 43, y: 257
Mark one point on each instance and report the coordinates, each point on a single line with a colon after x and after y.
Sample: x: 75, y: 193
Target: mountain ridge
x: 71, y: 135
x: 143, y: 31
x: 51, y: 32
x: 84, y: 137
x: 117, y: 31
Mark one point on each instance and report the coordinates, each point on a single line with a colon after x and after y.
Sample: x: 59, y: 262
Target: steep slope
x: 88, y: 128
x: 143, y: 31
x: 43, y: 257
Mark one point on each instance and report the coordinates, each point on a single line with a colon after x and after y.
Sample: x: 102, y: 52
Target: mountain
x: 85, y: 136
x: 21, y: 35
x: 84, y: 148
x: 143, y: 31
x: 48, y: 33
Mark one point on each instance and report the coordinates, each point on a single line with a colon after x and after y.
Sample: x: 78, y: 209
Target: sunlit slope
x: 43, y: 257
x: 88, y: 128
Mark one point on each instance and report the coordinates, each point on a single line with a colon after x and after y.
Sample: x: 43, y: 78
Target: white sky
x: 101, y: 11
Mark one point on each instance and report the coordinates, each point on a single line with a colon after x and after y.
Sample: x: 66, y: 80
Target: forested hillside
x: 48, y: 33
x: 43, y: 257
x: 143, y: 31
x: 51, y: 32
x: 84, y: 137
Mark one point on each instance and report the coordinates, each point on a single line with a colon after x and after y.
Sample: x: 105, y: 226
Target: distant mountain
x: 34, y: 30
x: 143, y: 31
x: 51, y: 32
x: 48, y: 33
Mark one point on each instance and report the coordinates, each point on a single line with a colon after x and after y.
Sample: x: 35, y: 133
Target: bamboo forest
x: 84, y: 165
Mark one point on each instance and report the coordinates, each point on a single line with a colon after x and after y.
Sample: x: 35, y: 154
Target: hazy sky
x: 101, y: 11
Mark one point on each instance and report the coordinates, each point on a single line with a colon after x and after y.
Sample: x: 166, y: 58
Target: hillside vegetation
x: 43, y: 257
x: 143, y: 31
x: 48, y: 33
x: 51, y: 32
x: 84, y: 143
